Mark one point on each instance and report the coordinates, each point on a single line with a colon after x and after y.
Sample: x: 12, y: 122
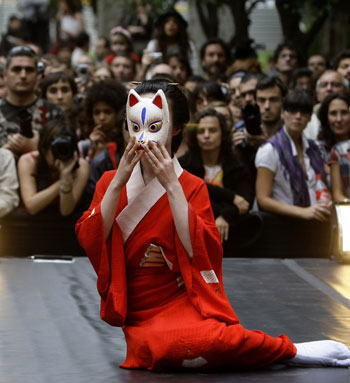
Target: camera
x: 240, y: 127
x: 63, y: 147
x: 83, y: 72
x: 252, y: 119
x: 157, y: 55
x: 25, y: 123
x: 41, y: 68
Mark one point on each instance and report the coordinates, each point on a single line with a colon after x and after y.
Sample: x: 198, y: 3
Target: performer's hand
x: 161, y: 162
x: 322, y: 352
x: 223, y: 227
x: 130, y: 158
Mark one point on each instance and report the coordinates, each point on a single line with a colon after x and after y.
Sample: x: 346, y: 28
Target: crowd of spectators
x: 272, y: 146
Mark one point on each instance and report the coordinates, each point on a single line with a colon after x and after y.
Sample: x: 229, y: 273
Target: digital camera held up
x: 63, y: 147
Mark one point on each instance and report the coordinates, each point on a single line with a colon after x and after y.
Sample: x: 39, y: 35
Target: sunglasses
x: 21, y: 50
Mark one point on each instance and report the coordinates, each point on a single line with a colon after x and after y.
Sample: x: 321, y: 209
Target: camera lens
x: 63, y: 147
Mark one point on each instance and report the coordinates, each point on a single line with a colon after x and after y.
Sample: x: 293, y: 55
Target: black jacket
x: 236, y: 180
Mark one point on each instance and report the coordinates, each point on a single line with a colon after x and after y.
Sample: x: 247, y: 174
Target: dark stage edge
x: 50, y: 330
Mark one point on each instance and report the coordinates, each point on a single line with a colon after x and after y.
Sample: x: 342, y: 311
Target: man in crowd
x: 317, y: 63
x: 342, y: 64
x: 247, y: 88
x: 286, y: 61
x: 22, y: 112
x: 268, y: 95
x: 329, y: 82
x: 215, y: 57
x: 123, y: 67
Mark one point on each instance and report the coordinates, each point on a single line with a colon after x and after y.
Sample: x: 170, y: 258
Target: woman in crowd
x: 152, y: 239
x: 103, y: 104
x: 207, y: 93
x: 288, y: 165
x: 171, y: 37
x: 181, y: 68
x: 60, y: 89
x: 69, y: 21
x: 54, y: 175
x: 231, y: 187
x: 338, y: 119
x: 121, y: 42
x: 291, y: 182
x: 334, y: 119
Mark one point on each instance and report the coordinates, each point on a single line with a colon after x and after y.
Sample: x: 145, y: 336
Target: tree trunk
x: 290, y: 18
x: 208, y: 17
x: 241, y: 20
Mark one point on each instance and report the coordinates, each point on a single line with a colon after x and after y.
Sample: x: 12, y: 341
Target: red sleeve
x: 203, y: 273
x: 107, y: 257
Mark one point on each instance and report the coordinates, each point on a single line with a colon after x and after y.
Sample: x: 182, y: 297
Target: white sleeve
x: 322, y: 352
x: 9, y: 198
x: 267, y: 157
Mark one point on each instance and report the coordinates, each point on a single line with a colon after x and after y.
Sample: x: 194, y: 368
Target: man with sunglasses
x: 22, y: 112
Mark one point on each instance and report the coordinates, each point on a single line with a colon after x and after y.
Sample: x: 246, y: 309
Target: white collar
x: 305, y: 142
x: 141, y: 198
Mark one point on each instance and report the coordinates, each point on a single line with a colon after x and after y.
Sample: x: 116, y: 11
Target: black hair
x: 268, y: 82
x: 298, y: 99
x: 225, y: 147
x: 51, y: 129
x: 251, y: 76
x: 21, y: 50
x: 181, y: 37
x: 178, y: 105
x: 56, y: 127
x: 112, y: 93
x: 219, y: 42
x: 82, y: 39
x: 345, y: 54
x: 211, y: 89
x: 54, y: 77
x: 287, y: 45
x: 300, y: 72
x: 183, y: 60
x: 64, y: 45
x: 129, y: 57
x: 325, y: 133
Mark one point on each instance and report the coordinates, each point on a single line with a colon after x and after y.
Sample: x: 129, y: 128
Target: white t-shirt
x: 267, y: 157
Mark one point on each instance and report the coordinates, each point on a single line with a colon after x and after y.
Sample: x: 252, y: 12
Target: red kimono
x: 175, y: 316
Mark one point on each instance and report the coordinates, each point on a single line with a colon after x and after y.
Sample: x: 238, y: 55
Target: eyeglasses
x: 333, y: 84
x: 21, y: 50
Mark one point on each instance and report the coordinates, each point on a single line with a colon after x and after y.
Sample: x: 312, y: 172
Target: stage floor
x: 50, y: 330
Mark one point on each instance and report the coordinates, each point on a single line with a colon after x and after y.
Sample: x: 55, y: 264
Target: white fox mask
x: 148, y: 118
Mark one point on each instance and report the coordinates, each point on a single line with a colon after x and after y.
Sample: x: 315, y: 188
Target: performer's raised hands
x: 130, y: 158
x: 110, y: 200
x: 161, y: 163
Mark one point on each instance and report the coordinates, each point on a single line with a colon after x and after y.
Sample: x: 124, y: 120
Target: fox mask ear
x: 134, y: 98
x: 159, y: 99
